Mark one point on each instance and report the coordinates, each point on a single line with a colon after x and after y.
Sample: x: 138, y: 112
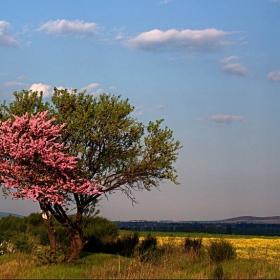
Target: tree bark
x: 51, y: 231
x: 52, y: 239
x: 76, y: 244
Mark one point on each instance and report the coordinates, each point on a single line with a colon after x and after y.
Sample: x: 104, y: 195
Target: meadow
x: 257, y: 258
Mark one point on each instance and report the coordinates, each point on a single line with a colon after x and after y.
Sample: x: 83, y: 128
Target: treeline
x: 203, y: 227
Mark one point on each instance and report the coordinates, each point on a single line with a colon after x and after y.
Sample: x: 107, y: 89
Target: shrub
x: 99, y: 232
x: 221, y: 250
x: 126, y: 243
x: 22, y: 243
x: 193, y: 245
x: 148, y: 251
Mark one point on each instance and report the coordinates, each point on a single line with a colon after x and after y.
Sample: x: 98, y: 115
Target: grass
x: 262, y: 260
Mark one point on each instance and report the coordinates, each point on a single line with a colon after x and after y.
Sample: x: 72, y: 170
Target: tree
x: 33, y: 164
x: 114, y: 148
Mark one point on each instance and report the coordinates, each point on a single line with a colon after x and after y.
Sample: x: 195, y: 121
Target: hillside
x: 4, y: 214
x: 253, y: 220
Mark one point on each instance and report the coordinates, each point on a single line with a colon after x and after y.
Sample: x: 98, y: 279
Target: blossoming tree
x: 115, y: 149
x: 35, y: 165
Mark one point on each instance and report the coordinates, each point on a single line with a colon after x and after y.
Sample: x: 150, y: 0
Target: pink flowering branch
x: 33, y: 164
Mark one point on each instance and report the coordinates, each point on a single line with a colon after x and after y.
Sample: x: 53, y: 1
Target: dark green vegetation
x: 114, y: 149
x: 269, y: 227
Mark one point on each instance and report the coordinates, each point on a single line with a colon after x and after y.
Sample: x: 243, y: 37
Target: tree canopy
x: 112, y: 147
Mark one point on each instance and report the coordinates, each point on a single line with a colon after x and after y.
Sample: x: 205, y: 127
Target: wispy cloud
x: 274, y: 76
x: 235, y: 69
x: 6, y: 39
x: 229, y: 58
x: 93, y: 89
x: 66, y: 27
x: 112, y: 87
x: 15, y: 83
x: 187, y: 40
x: 221, y: 118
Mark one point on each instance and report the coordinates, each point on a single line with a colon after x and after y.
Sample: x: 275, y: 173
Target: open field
x: 256, y: 258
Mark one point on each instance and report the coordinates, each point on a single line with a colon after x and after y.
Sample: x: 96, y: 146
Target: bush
x: 148, y: 251
x: 22, y: 243
x: 193, y: 246
x: 99, y: 232
x: 220, y: 251
x: 126, y: 243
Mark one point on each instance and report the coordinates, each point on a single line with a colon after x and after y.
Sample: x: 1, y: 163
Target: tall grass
x: 175, y: 263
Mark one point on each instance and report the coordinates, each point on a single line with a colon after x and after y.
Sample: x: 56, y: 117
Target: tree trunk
x: 52, y: 239
x: 51, y: 231
x: 76, y: 244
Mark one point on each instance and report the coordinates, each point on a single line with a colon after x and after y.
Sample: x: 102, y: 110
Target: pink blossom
x: 34, y: 164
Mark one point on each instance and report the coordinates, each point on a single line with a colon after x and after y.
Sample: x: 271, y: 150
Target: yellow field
x: 246, y: 248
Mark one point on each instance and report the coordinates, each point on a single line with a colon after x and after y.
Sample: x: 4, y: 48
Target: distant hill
x: 4, y: 214
x: 253, y: 220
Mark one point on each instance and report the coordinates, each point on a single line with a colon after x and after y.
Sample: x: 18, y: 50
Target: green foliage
x: 22, y: 243
x: 99, y: 232
x: 114, y: 149
x: 108, y: 139
x: 125, y: 244
x: 12, y: 223
x: 221, y: 250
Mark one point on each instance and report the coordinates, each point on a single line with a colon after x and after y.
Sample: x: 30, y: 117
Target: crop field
x: 263, y: 248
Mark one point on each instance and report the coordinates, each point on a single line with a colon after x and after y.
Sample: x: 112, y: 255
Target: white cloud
x: 235, y: 69
x: 90, y: 87
x: 220, y: 118
x: 274, y: 76
x: 46, y: 89
x: 66, y: 27
x: 187, y: 40
x: 6, y: 39
x: 229, y: 58
x: 14, y: 83
x: 93, y: 89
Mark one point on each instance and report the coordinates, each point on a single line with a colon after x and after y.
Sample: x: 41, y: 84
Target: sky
x: 209, y: 68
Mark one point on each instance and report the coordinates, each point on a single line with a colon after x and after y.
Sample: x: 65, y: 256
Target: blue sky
x: 211, y: 69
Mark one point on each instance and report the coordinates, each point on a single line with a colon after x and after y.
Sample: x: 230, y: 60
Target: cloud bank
x: 6, y: 39
x: 65, y: 27
x: 187, y: 40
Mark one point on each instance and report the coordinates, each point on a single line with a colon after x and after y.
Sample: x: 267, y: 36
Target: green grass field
x: 262, y: 261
